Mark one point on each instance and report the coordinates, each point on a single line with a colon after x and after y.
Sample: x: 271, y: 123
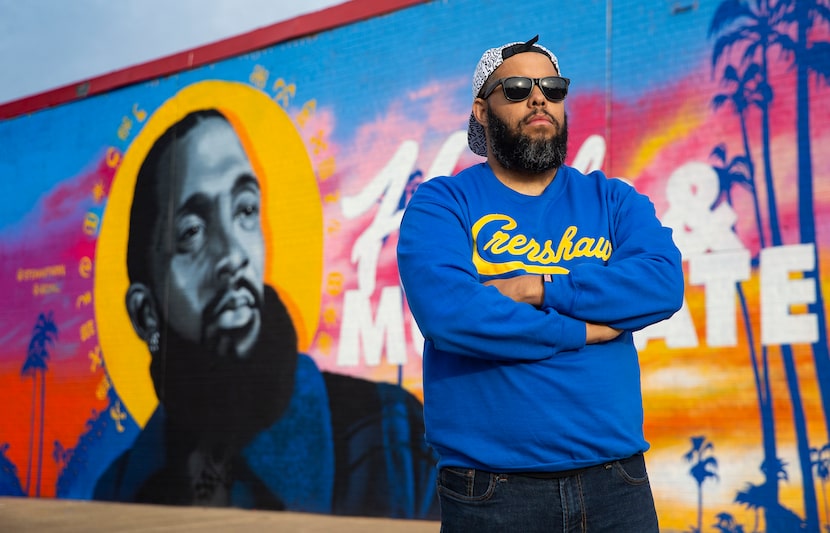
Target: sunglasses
x: 518, y: 88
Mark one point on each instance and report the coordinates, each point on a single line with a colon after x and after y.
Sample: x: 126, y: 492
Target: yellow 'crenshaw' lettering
x: 533, y: 257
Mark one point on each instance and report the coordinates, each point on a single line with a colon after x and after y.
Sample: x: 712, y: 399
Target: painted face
x: 212, y: 272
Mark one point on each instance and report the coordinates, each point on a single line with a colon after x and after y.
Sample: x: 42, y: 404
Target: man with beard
x: 527, y: 279
x: 244, y: 419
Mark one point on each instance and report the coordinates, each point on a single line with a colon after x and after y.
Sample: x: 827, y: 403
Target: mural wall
x: 200, y: 281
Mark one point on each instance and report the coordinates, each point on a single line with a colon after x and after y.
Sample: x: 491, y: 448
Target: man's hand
x: 530, y: 289
x: 596, y: 333
x: 527, y: 288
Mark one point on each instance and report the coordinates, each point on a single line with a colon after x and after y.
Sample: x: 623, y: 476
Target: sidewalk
x: 65, y: 516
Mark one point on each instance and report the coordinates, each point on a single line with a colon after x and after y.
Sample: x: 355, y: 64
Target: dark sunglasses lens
x: 554, y: 88
x: 517, y: 89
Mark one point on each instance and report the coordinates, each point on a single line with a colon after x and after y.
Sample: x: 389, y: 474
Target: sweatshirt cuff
x: 559, y: 293
x: 573, y: 333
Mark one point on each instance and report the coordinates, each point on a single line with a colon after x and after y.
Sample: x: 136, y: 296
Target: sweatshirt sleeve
x: 451, y: 306
x: 642, y: 282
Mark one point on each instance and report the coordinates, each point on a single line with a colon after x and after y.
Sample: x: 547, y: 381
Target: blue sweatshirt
x: 509, y: 387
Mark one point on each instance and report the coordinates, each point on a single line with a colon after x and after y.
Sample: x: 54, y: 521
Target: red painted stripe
x: 325, y: 19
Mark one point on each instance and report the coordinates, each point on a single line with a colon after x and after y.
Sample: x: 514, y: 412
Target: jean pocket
x: 466, y: 484
x: 632, y: 470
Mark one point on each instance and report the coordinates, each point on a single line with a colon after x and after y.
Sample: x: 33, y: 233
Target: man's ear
x: 141, y: 307
x: 480, y: 111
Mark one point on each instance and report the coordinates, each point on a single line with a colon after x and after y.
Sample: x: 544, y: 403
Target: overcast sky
x: 50, y: 43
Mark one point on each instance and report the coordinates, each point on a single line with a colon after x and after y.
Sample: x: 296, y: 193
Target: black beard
x: 225, y: 401
x: 516, y: 151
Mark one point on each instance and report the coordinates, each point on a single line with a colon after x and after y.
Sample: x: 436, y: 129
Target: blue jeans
x: 614, y: 497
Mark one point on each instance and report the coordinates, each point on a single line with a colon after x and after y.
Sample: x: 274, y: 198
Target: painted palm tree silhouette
x: 88, y: 451
x: 703, y: 467
x: 757, y: 26
x: 9, y: 482
x: 731, y: 173
x: 765, y: 496
x: 749, y: 91
x: 752, y: 25
x: 44, y: 335
x: 740, y: 171
x: 755, y: 498
x: 726, y: 524
x: 821, y: 461
x: 811, y: 59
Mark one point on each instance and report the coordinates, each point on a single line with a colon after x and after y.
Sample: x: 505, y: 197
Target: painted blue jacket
x: 509, y: 387
x: 344, y: 446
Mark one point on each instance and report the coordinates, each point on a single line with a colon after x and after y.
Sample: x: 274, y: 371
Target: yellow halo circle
x: 292, y: 224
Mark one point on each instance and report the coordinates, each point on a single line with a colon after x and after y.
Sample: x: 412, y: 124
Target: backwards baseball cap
x: 489, y: 62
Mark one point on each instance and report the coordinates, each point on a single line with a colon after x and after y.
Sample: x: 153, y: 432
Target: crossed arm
x: 595, y: 302
x: 530, y: 289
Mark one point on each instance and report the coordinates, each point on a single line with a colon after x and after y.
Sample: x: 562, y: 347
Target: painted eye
x: 190, y: 233
x: 247, y: 210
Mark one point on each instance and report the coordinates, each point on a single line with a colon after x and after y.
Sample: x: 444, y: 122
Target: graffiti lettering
x: 87, y: 330
x: 718, y: 273
x: 284, y: 92
x: 360, y: 329
x: 779, y: 292
x: 139, y: 113
x: 591, y: 154
x: 83, y: 300
x: 306, y: 112
x: 95, y: 359
x: 691, y: 191
x: 330, y: 316
x: 113, y: 157
x: 118, y: 415
x: 388, y: 186
x: 718, y: 260
x: 333, y: 227
x: 91, y: 222
x: 325, y: 169
x: 98, y: 192
x: 42, y: 289
x: 259, y: 77
x: 85, y: 267
x: 318, y: 143
x: 124, y: 128
x: 32, y: 274
x: 334, y: 284
x: 103, y: 388
x: 324, y: 343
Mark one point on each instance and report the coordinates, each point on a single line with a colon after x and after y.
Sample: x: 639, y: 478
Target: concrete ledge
x: 58, y: 515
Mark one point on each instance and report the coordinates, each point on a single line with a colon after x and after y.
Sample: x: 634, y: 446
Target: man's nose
x: 230, y: 256
x: 536, y: 96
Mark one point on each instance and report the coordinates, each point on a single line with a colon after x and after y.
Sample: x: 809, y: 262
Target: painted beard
x: 234, y: 343
x: 227, y: 400
x: 517, y: 151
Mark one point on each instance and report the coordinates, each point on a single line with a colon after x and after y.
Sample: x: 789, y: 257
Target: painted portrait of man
x: 244, y: 418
